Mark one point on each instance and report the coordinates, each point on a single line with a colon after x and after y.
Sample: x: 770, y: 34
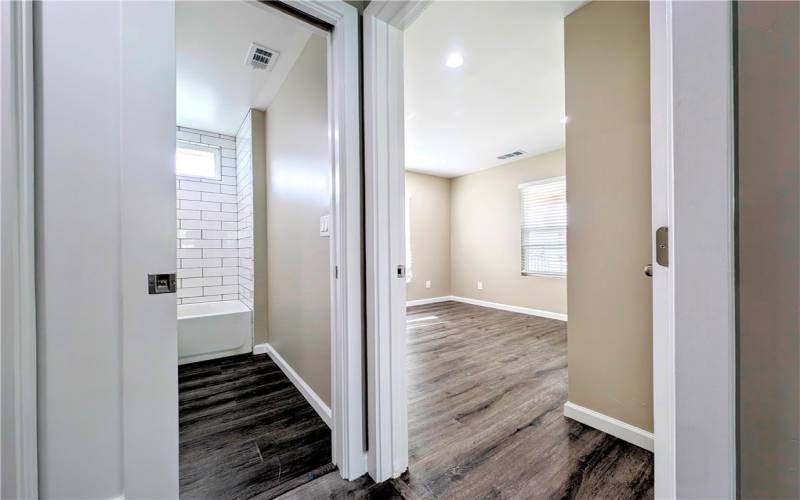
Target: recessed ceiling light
x: 564, y: 120
x: 454, y: 60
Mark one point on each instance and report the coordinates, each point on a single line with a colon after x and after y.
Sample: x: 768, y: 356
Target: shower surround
x: 213, y: 251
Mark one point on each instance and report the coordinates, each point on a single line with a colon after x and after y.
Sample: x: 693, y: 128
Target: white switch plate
x: 428, y: 284
x: 480, y: 285
x: 324, y: 230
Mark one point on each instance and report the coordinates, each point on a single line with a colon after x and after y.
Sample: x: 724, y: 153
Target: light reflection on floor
x: 410, y: 326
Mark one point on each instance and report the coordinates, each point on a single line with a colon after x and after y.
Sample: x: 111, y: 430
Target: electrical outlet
x: 428, y: 284
x: 480, y: 285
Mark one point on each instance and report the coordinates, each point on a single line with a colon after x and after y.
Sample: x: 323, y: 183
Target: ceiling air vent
x: 260, y: 57
x: 513, y: 154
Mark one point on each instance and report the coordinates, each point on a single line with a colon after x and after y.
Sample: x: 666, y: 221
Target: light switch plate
x: 428, y: 284
x: 480, y: 285
x: 324, y: 229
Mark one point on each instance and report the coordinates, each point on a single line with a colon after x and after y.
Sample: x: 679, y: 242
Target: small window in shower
x: 197, y: 160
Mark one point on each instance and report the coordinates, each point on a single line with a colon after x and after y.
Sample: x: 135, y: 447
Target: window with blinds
x: 544, y: 227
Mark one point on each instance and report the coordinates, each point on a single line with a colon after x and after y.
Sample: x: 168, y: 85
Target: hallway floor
x: 487, y: 390
x: 486, y: 396
x: 246, y: 431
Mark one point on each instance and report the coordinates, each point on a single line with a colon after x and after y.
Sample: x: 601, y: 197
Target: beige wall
x: 608, y: 195
x: 769, y: 249
x: 467, y: 229
x: 429, y: 198
x: 298, y: 193
x: 485, y: 236
x: 258, y: 124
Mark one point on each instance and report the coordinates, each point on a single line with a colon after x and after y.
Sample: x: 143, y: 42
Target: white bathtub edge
x: 212, y: 330
x: 313, y: 399
x: 219, y: 308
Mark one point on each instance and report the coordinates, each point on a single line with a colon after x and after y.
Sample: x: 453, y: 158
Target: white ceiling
x: 214, y: 86
x: 508, y: 94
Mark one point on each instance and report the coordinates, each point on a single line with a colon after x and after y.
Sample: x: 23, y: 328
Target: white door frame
x: 384, y: 191
x: 698, y: 103
x: 693, y: 318
x: 347, y: 380
x: 18, y: 456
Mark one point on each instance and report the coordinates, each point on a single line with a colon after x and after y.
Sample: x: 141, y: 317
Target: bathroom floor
x: 246, y: 431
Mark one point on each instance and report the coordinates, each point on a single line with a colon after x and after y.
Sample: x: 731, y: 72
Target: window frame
x: 521, y: 187
x: 181, y: 144
x: 409, y: 260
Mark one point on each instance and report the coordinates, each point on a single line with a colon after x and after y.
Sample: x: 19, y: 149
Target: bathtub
x: 213, y: 330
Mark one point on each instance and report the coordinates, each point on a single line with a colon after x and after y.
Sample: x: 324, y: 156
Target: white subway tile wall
x: 244, y: 208
x: 208, y: 223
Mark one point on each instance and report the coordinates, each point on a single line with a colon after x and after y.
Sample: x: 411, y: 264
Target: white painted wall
x: 105, y: 218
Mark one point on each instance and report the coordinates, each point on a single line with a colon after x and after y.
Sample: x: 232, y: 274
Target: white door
x: 105, y: 219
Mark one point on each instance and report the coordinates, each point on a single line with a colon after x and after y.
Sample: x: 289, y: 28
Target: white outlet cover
x: 480, y: 285
x: 428, y: 284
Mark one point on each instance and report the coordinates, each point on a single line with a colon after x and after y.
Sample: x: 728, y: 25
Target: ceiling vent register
x: 513, y: 154
x: 261, y: 57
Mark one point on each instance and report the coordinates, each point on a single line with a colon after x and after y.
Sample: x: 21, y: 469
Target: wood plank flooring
x: 486, y: 395
x: 246, y: 431
x: 486, y: 390
x: 333, y: 486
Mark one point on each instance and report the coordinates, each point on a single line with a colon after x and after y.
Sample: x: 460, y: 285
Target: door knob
x: 648, y: 270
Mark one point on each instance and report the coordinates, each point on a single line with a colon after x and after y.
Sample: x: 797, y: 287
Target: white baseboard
x: 517, y: 309
x: 313, y: 399
x: 609, y: 425
x: 432, y: 300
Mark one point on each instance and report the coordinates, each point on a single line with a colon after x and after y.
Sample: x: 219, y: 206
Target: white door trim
x: 383, y: 66
x: 384, y: 188
x: 703, y: 203
x: 347, y: 381
x: 18, y: 311
x: 661, y: 165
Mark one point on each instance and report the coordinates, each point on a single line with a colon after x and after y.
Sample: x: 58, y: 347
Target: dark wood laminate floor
x: 246, y: 431
x: 487, y: 390
x: 486, y: 395
x: 332, y: 486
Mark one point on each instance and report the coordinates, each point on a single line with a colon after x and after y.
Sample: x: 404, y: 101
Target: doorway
x: 672, y: 331
x: 493, y: 161
x: 254, y: 253
x: 122, y: 340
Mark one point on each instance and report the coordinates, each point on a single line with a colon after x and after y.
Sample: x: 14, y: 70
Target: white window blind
x: 544, y: 227
x: 409, y: 260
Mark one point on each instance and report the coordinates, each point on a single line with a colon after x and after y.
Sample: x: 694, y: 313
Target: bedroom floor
x: 486, y: 395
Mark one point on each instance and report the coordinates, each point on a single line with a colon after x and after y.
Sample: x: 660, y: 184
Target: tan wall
x: 258, y: 124
x: 429, y: 198
x: 608, y: 195
x: 769, y: 249
x: 298, y: 193
x: 485, y: 236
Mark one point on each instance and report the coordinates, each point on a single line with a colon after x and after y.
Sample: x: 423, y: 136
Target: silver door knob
x: 648, y: 270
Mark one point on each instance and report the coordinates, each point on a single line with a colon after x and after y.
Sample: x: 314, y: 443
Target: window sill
x: 544, y: 275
